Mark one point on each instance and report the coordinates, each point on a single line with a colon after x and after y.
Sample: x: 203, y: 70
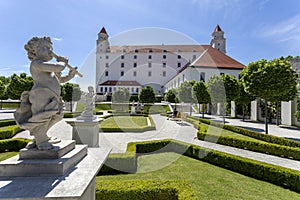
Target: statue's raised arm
x: 41, y: 107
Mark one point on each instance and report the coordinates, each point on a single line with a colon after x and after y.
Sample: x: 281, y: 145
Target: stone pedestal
x: 132, y: 110
x: 287, y: 112
x: 85, y: 131
x: 78, y: 183
x: 233, y: 109
x: 254, y: 111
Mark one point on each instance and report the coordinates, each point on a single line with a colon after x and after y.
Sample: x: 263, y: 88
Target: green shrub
x: 281, y: 176
x: 101, y: 106
x: 72, y: 114
x: 253, y: 134
x: 8, y: 122
x: 263, y: 147
x: 13, y: 144
x: 119, y: 163
x: 9, y: 131
x: 144, y: 189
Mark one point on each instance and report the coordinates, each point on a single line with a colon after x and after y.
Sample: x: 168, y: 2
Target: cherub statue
x: 90, y: 103
x: 41, y: 107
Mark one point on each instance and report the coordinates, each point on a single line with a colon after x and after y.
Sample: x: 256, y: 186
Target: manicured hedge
x: 263, y: 147
x: 9, y: 131
x: 72, y: 114
x: 8, y: 122
x: 13, y: 144
x: 253, y: 134
x: 144, y: 189
x: 277, y: 175
x: 120, y: 163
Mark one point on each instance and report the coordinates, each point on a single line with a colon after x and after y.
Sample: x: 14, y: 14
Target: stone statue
x: 41, y: 107
x: 90, y: 104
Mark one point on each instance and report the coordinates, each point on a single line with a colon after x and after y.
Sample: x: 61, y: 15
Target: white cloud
x: 287, y: 30
x: 57, y: 39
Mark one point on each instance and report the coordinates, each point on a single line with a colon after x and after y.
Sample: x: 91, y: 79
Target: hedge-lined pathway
x: 168, y: 129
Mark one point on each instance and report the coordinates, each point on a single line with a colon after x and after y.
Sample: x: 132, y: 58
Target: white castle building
x: 161, y: 66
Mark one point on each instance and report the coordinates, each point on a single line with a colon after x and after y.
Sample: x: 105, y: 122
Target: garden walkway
x: 167, y: 129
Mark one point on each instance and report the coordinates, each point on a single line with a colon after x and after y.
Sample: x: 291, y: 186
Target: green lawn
x: 6, y: 155
x: 208, y: 181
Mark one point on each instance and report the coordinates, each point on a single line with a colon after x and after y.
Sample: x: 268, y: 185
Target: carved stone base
x: 77, y: 184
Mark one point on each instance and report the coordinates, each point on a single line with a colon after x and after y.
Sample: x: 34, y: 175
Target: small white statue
x: 90, y: 104
x: 42, y: 106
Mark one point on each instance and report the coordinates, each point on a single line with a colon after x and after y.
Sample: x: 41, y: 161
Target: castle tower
x: 102, y: 42
x: 218, y: 41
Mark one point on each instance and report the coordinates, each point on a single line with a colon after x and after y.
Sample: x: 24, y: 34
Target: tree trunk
x: 224, y: 112
x: 277, y: 113
x: 190, y: 109
x: 71, y: 106
x: 243, y: 110
x: 266, y: 117
x: 203, y: 110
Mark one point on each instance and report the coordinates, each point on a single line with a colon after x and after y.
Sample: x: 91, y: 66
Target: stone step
x: 14, y: 167
x: 59, y: 149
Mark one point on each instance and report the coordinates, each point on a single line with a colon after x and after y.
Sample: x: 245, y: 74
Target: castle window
x: 105, y: 89
x: 122, y: 73
x: 164, y: 56
x: 149, y: 56
x: 134, y: 65
x: 110, y: 90
x: 101, y: 89
x: 122, y: 65
x: 136, y: 51
x: 149, y: 73
x: 194, y: 57
x: 106, y: 73
x: 179, y: 64
x: 202, y: 76
x: 106, y: 65
x: 178, y: 56
x: 135, y: 57
x: 164, y: 65
x: 132, y: 90
x: 107, y: 57
x: 149, y: 64
x: 164, y: 74
x: 150, y: 50
x: 134, y: 73
x: 218, y: 44
x: 136, y: 90
x: 122, y: 56
x: 164, y: 50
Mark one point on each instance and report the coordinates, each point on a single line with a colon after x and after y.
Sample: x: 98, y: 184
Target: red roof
x: 121, y: 83
x: 103, y: 30
x: 211, y: 57
x: 217, y: 29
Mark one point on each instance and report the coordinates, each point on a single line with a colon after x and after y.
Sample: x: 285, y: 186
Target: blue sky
x: 254, y: 29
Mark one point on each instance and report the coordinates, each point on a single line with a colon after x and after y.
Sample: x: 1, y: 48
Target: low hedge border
x: 262, y: 147
x: 9, y: 131
x: 264, y: 137
x: 14, y: 144
x: 72, y: 114
x: 277, y: 175
x: 8, y: 122
x: 144, y: 189
x: 129, y: 129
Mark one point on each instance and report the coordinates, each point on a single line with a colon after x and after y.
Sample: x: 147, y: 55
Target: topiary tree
x: 171, y: 96
x: 243, y: 97
x: 185, y: 93
x: 147, y: 95
x: 217, y: 92
x: 268, y: 80
x: 200, y: 92
x: 70, y: 92
x: 2, y: 92
x: 19, y: 84
x: 122, y: 95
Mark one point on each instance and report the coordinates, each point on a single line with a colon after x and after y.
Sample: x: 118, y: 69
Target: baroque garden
x: 127, y: 141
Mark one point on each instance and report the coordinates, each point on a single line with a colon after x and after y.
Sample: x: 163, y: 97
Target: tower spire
x: 218, y: 40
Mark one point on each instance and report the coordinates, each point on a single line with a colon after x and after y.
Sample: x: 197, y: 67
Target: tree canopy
x: 269, y: 80
x: 147, y: 95
x: 70, y: 92
x: 231, y: 87
x: 122, y: 95
x: 171, y: 96
x: 19, y: 84
x: 216, y: 89
x: 200, y: 92
x: 185, y: 92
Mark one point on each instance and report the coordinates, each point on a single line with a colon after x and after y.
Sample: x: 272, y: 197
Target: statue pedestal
x: 85, y: 131
x: 77, y: 183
